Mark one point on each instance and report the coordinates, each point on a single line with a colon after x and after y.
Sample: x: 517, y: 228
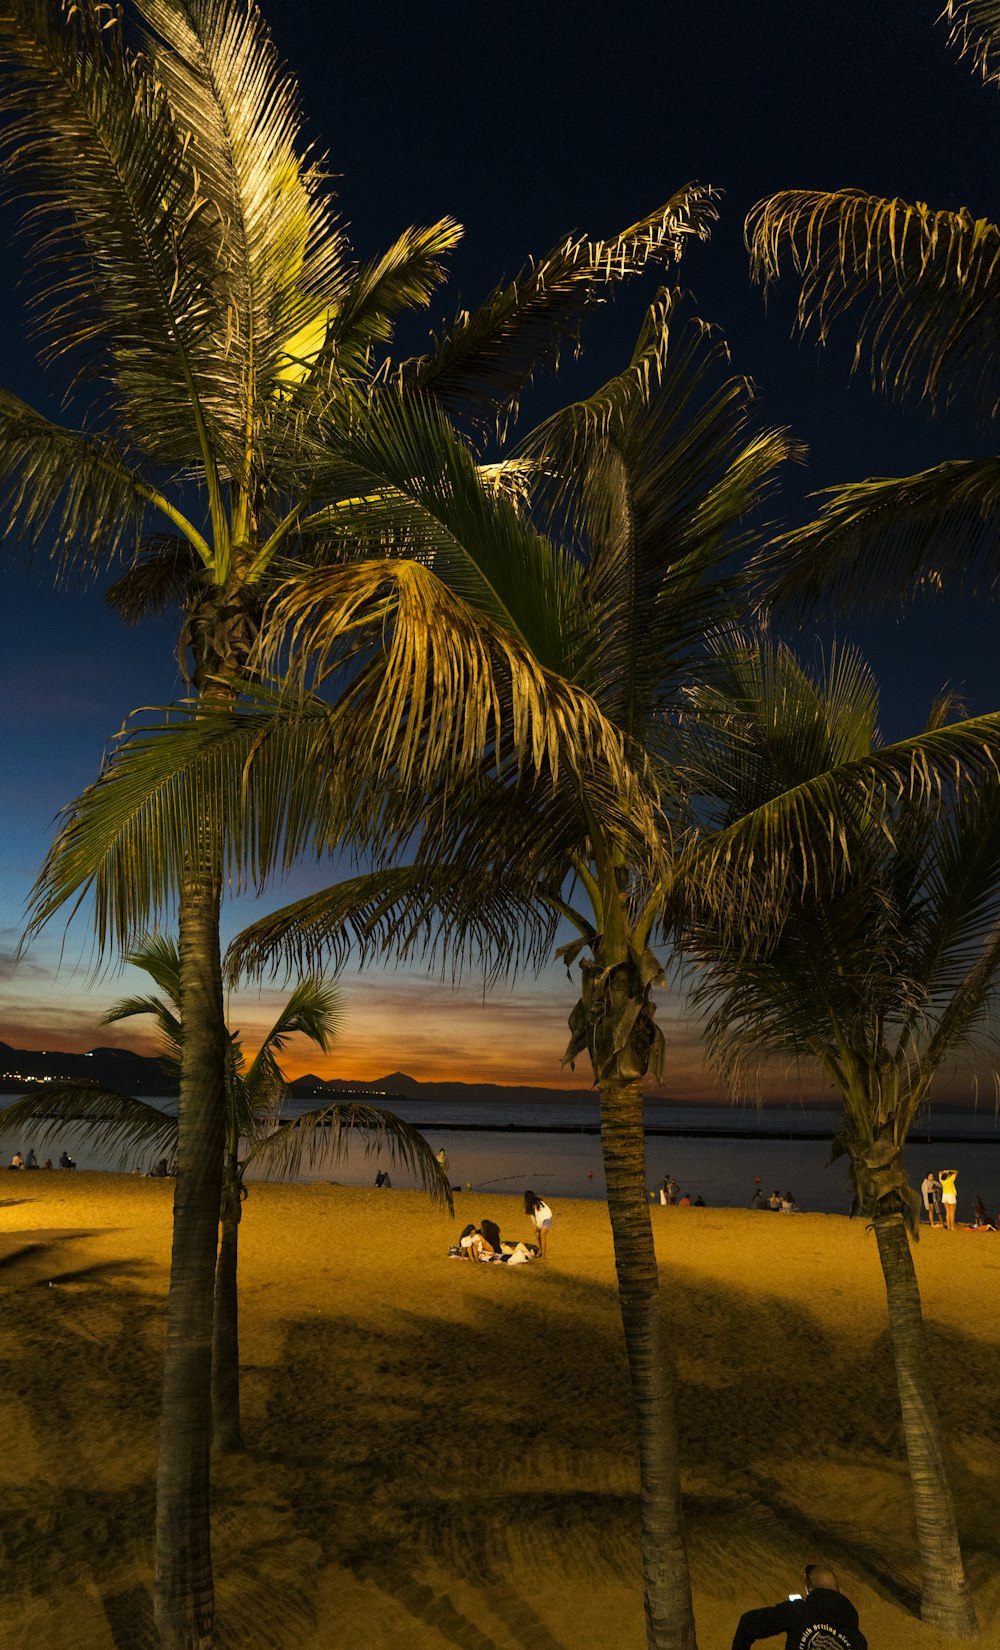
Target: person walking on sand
x: 949, y: 1196
x: 824, y: 1620
x: 930, y: 1202
x: 540, y: 1216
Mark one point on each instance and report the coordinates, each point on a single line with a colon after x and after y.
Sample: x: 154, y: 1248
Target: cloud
x: 23, y: 968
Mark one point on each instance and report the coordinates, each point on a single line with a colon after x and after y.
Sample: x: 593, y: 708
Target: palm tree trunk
x: 184, y: 1602
x: 666, y: 1579
x: 226, y: 1336
x: 946, y: 1601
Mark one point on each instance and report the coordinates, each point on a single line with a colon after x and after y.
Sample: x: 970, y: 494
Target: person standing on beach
x: 949, y: 1196
x: 930, y: 1201
x: 540, y: 1215
x: 443, y: 1162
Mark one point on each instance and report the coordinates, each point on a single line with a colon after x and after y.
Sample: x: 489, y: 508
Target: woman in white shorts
x: 949, y: 1196
x: 540, y: 1215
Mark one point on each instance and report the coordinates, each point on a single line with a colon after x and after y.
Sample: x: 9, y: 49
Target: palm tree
x: 926, y: 283
x: 257, y: 1136
x: 649, y: 483
x: 878, y: 972
x: 191, y: 267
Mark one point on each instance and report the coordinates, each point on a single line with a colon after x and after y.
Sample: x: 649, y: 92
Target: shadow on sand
x: 446, y: 1466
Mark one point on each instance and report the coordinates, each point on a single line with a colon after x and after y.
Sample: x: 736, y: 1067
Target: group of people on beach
x: 670, y: 1195
x: 484, y: 1243
x: 940, y: 1198
x: 31, y: 1161
x: 780, y: 1202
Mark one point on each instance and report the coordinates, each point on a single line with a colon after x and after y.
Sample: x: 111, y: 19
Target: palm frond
x: 449, y: 684
x: 759, y: 723
x: 126, y: 246
x: 285, y: 263
x: 325, y: 1137
x: 160, y: 580
x: 158, y: 956
x: 929, y: 283
x: 974, y: 27
x: 168, y: 1024
x: 801, y: 835
x: 401, y: 278
x: 890, y: 536
x: 73, y: 495
x: 432, y: 911
x: 487, y: 357
x: 315, y: 1010
x: 952, y: 892
x: 654, y: 477
x: 126, y: 836
x: 410, y: 487
x: 109, y: 1122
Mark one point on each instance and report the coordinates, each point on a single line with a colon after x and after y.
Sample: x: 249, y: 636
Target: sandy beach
x: 440, y: 1454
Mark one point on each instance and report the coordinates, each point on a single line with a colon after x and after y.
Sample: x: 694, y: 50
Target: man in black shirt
x: 823, y: 1620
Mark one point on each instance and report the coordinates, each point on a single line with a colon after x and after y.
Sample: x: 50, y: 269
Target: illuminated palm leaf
x: 284, y: 259
x: 74, y: 494
x: 975, y: 29
x: 890, y: 535
x: 929, y: 282
x: 406, y: 484
x: 484, y: 361
x: 128, y: 245
x: 657, y: 477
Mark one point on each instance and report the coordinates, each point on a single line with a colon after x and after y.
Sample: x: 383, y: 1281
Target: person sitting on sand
x: 699, y: 1202
x: 17, y: 1161
x: 491, y: 1232
x: 685, y: 1201
x: 66, y: 1162
x: 31, y: 1161
x: 981, y: 1221
x: 823, y: 1620
x: 540, y: 1215
x: 774, y: 1201
x: 788, y: 1204
x: 758, y: 1201
x: 382, y: 1179
x: 475, y: 1245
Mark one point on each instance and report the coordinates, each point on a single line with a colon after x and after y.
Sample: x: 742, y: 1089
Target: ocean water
x: 713, y: 1151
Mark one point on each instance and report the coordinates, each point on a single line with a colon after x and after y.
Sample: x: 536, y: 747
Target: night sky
x: 526, y: 123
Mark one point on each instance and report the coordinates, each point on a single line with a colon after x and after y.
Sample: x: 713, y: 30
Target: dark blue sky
x: 524, y: 123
